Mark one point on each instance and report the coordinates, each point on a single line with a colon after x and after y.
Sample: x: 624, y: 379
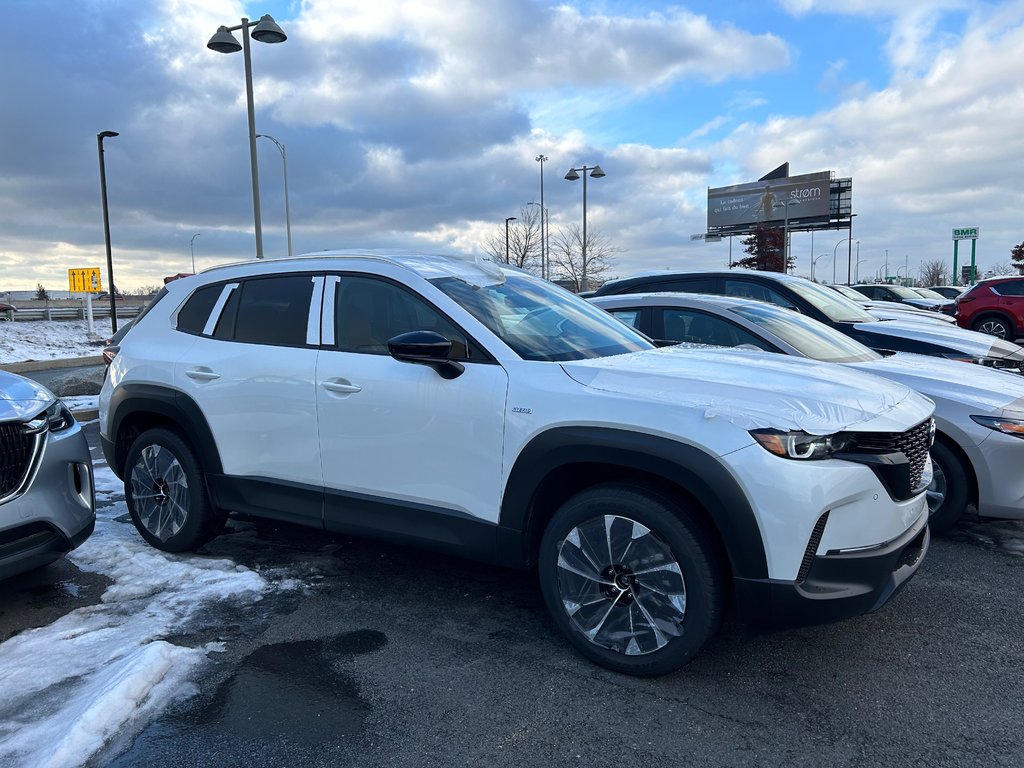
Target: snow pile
x: 105, y: 670
x: 49, y: 340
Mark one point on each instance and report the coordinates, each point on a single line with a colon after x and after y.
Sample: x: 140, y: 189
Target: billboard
x: 758, y: 202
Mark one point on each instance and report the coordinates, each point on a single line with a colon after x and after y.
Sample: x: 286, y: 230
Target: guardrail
x: 67, y: 313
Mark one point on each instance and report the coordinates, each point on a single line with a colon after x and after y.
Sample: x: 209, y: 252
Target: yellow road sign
x: 86, y: 280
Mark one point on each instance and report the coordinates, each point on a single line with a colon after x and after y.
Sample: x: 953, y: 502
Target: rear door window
x: 692, y: 326
x: 270, y: 310
x: 748, y: 289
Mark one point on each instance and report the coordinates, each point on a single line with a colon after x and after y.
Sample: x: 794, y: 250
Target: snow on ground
x: 105, y: 670
x: 49, y: 340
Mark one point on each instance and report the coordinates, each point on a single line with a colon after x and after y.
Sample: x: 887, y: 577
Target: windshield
x: 851, y: 294
x: 809, y: 337
x: 930, y: 294
x: 904, y: 293
x: 835, y: 307
x: 540, y: 321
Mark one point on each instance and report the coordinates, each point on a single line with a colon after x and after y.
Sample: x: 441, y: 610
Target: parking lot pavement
x: 385, y: 656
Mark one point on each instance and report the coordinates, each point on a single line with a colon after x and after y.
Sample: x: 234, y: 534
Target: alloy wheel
x: 160, y: 491
x: 620, y: 585
x: 936, y: 491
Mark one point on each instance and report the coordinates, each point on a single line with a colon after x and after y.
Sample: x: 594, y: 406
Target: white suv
x: 477, y: 410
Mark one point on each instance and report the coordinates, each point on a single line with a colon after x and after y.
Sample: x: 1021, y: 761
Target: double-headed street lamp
x: 573, y: 175
x: 106, y: 227
x: 284, y: 162
x: 265, y: 31
x: 510, y: 218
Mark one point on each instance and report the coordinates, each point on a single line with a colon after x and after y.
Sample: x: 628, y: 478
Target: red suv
x: 994, y: 306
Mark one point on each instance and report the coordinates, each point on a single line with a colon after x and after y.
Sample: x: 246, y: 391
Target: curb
x: 48, y: 365
x: 86, y: 414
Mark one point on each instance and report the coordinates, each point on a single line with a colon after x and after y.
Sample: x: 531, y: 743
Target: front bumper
x: 837, y: 585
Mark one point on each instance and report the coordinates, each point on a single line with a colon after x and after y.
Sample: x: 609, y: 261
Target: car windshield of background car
x: 904, y: 293
x: 851, y: 294
x: 540, y: 321
x: 929, y: 294
x: 809, y: 337
x: 835, y: 307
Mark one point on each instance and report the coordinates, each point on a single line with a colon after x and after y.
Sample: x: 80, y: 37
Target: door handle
x: 342, y: 387
x: 202, y: 374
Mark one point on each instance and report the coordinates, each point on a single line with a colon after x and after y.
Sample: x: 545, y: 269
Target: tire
x: 595, y: 593
x: 166, y: 493
x: 947, y: 494
x: 994, y: 326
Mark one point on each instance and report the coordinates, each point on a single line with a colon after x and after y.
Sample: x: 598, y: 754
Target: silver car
x: 47, y: 498
x: 979, y: 411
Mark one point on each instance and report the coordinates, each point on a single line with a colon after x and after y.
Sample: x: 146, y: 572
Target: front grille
x: 17, y: 450
x: 914, y: 444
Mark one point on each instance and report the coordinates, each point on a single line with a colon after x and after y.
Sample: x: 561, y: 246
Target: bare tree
x: 524, y: 248
x: 934, y: 273
x: 566, y: 256
x: 1000, y: 270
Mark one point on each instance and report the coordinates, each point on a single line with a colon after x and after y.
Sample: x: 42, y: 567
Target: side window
x: 193, y: 316
x: 688, y: 325
x: 750, y: 290
x: 693, y: 285
x: 628, y: 316
x: 270, y: 310
x: 1012, y: 288
x: 368, y: 312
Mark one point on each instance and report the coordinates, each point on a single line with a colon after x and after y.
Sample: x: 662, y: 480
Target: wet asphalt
x: 386, y: 656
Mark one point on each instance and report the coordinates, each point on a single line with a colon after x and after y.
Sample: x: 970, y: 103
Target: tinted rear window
x: 274, y: 310
x: 193, y: 316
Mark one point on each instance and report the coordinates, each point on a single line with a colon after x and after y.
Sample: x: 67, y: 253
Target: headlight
x: 1013, y: 427
x: 988, y: 362
x: 800, y: 445
x: 58, y: 417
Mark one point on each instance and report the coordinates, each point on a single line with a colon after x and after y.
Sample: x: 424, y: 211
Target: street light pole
x: 834, y: 260
x: 815, y: 261
x: 507, y: 220
x: 265, y: 31
x: 543, y: 223
x: 191, y: 247
x: 857, y: 269
x: 284, y: 162
x: 106, y: 226
x: 573, y: 175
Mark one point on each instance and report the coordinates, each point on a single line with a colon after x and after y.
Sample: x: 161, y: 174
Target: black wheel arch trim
x: 699, y: 473
x: 167, y: 402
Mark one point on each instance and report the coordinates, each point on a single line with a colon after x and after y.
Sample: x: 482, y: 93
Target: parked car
x: 889, y: 310
x: 899, y: 294
x: 946, y: 306
x: 994, y: 306
x: 471, y: 408
x: 947, y: 291
x: 47, y: 502
x: 112, y: 344
x: 829, y: 307
x: 979, y: 412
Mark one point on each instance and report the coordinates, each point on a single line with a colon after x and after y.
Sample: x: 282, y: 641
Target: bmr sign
x: 969, y: 233
x: 84, y: 280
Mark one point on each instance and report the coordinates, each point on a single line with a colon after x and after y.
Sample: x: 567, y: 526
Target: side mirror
x: 426, y: 348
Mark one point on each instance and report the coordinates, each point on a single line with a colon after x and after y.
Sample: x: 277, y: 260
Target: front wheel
x: 633, y: 580
x: 166, y: 493
x: 995, y: 326
x: 947, y: 493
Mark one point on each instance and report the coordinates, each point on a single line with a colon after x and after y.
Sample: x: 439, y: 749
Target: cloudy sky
x: 416, y: 124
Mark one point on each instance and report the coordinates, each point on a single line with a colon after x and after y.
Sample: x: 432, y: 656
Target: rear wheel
x: 994, y: 326
x: 947, y: 493
x: 632, y: 579
x: 166, y: 493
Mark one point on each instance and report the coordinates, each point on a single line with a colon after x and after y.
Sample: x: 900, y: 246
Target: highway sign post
x: 965, y: 233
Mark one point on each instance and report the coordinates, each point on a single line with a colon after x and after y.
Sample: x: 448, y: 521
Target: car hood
x: 20, y: 398
x: 758, y: 390
x: 960, y: 339
x: 986, y: 389
x: 911, y: 316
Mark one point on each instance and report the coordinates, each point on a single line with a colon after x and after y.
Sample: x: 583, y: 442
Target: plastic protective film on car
x: 760, y: 387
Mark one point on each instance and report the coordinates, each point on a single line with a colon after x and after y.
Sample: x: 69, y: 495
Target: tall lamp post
x: 543, y: 221
x: 815, y: 261
x: 510, y: 218
x: 192, y: 249
x: 106, y: 226
x: 857, y: 268
x: 264, y: 31
x: 573, y: 175
x: 284, y: 162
